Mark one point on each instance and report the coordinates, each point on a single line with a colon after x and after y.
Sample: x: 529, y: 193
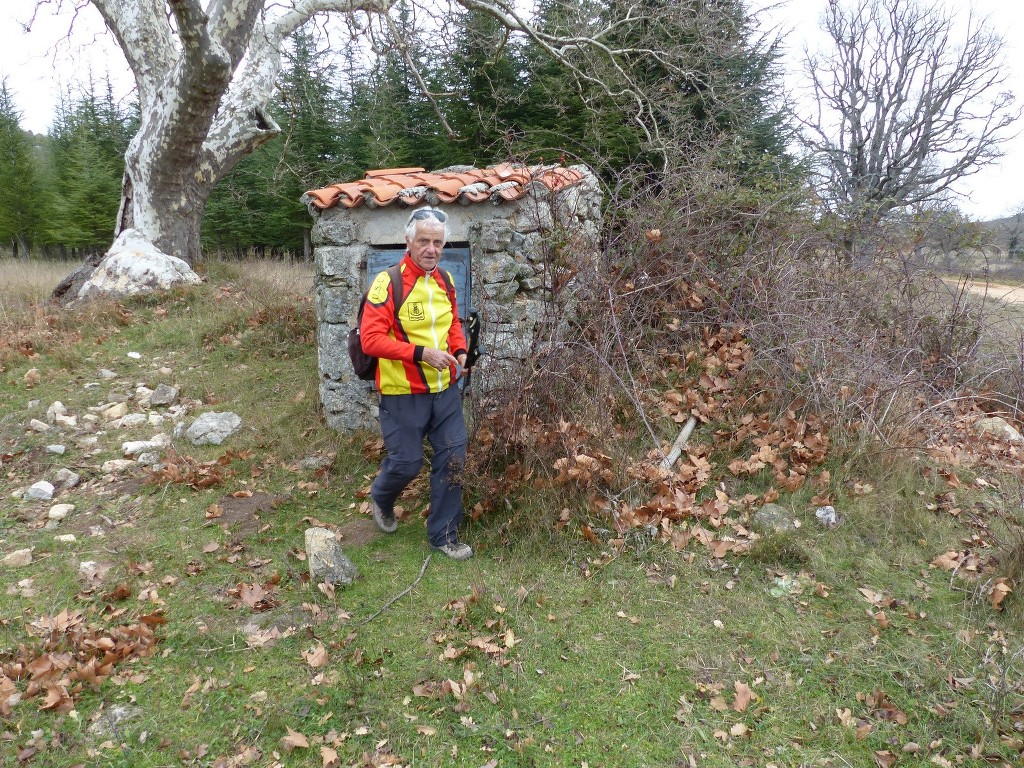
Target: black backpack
x: 364, y: 365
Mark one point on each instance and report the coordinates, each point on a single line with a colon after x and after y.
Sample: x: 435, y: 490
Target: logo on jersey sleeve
x: 378, y: 292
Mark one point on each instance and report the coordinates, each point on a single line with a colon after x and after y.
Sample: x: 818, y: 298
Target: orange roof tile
x: 409, y: 186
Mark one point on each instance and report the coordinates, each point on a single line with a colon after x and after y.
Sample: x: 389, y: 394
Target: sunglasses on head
x: 423, y: 213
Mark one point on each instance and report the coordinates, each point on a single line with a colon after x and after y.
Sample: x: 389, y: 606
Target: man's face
x: 425, y: 248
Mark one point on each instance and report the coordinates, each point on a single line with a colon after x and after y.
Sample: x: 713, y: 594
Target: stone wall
x: 517, y: 249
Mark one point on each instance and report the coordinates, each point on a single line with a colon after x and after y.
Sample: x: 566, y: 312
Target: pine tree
x: 22, y: 204
x: 89, y: 137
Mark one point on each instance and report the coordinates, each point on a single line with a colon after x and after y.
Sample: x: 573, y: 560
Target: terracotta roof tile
x: 409, y: 186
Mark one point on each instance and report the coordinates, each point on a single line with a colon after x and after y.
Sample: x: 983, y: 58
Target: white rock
x: 91, y: 418
x: 106, y: 373
x: 38, y: 426
x: 133, y: 420
x: 148, y: 459
x: 60, y: 511
x: 33, y: 404
x: 57, y: 449
x: 164, y: 394
x: 118, y: 465
x: 998, y: 428
x: 156, y: 419
x: 142, y: 395
x: 213, y: 428
x: 66, y: 538
x: 56, y: 409
x: 66, y: 421
x: 133, y: 447
x: 114, y: 412
x: 42, y: 491
x: 18, y: 558
x: 135, y: 355
x: 165, y: 371
x: 134, y: 265
x: 66, y: 478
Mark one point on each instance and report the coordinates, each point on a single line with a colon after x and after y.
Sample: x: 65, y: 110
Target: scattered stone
x: 106, y: 374
x: 60, y: 511
x: 134, y: 447
x: 91, y: 418
x: 33, y: 404
x: 827, y: 516
x: 772, y: 517
x: 56, y: 409
x: 135, y: 355
x: 43, y: 491
x: 327, y: 562
x: 998, y: 428
x: 92, y: 571
x: 165, y: 371
x: 155, y: 419
x: 31, y: 378
x: 142, y: 395
x: 57, y: 449
x: 164, y: 394
x: 213, y: 428
x: 118, y: 465
x: 66, y: 478
x: 132, y: 420
x: 316, y: 462
x: 18, y: 558
x: 66, y: 538
x: 114, y: 412
x: 38, y: 426
x: 66, y: 421
x: 111, y: 718
x: 148, y: 459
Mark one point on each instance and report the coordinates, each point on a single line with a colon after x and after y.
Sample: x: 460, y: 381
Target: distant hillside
x: 1007, y: 233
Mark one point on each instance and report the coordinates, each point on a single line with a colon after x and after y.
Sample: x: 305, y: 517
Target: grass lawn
x: 180, y: 627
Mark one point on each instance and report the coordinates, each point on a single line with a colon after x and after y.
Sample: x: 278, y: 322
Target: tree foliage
x: 611, y: 83
x: 21, y: 199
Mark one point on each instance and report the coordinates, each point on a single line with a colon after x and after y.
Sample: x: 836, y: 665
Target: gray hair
x: 426, y: 213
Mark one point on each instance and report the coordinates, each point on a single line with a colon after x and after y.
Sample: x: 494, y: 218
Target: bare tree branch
x: 906, y: 106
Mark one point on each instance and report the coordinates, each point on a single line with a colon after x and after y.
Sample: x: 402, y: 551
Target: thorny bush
x: 727, y: 303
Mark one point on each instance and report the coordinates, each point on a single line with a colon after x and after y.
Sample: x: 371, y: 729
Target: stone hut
x: 514, y: 233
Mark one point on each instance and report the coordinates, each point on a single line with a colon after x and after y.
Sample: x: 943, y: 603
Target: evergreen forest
x: 464, y: 94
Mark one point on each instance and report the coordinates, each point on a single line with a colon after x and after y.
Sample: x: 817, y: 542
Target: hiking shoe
x: 385, y: 519
x: 456, y: 550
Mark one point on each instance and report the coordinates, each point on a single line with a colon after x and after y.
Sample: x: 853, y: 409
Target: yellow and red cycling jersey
x: 427, y: 318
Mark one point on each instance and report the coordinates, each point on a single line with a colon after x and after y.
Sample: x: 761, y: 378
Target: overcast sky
x: 40, y: 64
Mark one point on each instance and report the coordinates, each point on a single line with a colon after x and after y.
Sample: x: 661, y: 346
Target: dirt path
x: 1006, y: 294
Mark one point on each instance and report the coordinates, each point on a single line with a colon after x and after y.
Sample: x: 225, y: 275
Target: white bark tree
x: 205, y: 69
x: 909, y: 102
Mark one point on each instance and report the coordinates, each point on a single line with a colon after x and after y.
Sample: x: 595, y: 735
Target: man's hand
x: 435, y: 358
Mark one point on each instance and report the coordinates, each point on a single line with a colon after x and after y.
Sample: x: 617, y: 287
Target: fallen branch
x: 679, y: 444
x: 401, y: 594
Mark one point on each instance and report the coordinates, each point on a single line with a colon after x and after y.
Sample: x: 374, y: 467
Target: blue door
x: 454, y: 259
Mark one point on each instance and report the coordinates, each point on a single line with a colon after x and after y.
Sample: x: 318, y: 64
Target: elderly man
x: 421, y: 354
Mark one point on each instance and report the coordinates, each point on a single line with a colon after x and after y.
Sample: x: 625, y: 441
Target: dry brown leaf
x: 293, y: 740
x: 316, y: 656
x: 329, y: 758
x: 743, y: 697
x: 1000, y: 589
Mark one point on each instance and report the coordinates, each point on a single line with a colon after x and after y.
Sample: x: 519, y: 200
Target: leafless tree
x: 909, y: 100
x: 205, y: 70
